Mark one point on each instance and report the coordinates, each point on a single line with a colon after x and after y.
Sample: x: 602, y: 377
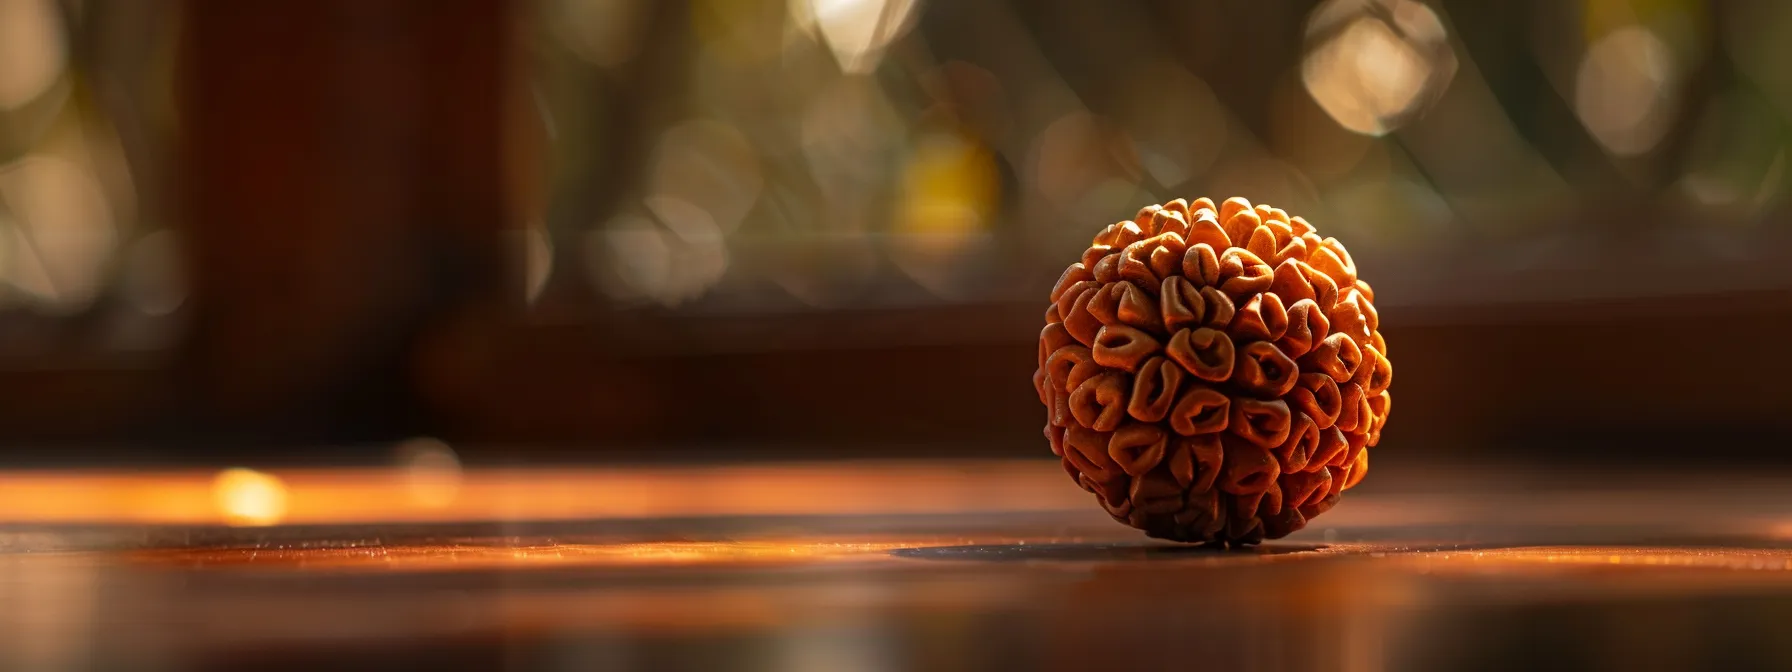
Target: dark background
x: 299, y: 231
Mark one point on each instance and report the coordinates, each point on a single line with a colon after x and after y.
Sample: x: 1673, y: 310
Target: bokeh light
x: 630, y: 258
x: 431, y: 469
x: 33, y: 50
x: 605, y: 33
x: 62, y: 235
x: 857, y: 31
x: 1373, y: 64
x: 1625, y: 90
x: 949, y: 193
x: 246, y: 497
x: 709, y: 165
x: 670, y: 255
x: 948, y: 187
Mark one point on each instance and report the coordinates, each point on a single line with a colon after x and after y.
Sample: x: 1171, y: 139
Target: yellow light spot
x: 950, y: 186
x: 246, y: 497
x: 949, y: 196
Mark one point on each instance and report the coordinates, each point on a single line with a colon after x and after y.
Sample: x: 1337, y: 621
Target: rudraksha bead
x: 1213, y: 374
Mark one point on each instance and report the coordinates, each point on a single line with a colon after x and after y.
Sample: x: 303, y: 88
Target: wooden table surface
x: 878, y: 566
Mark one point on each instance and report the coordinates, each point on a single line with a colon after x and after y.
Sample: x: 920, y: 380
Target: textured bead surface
x: 1213, y: 374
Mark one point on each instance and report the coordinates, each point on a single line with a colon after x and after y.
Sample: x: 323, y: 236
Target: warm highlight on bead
x: 1213, y: 374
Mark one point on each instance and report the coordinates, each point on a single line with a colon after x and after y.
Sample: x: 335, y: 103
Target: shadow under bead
x: 1213, y: 374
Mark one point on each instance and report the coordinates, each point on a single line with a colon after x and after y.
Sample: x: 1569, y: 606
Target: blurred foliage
x: 879, y: 152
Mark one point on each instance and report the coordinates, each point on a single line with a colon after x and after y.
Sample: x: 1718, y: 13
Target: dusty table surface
x: 876, y: 566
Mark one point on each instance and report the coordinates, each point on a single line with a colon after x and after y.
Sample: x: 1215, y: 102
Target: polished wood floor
x: 878, y: 566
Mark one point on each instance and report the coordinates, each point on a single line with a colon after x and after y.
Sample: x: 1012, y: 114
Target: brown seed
x: 1138, y: 447
x: 1380, y: 405
x: 1180, y: 304
x: 1239, y: 223
x: 1052, y: 337
x: 1100, y: 402
x: 1087, y: 450
x: 1337, y: 356
x: 1094, y: 254
x: 1154, y: 389
x: 1220, y: 308
x: 1123, y: 347
x: 1201, y: 265
x: 1290, y: 283
x: 1055, y: 435
x: 1201, y: 410
x: 1073, y: 274
x: 1355, y: 408
x: 1305, y: 488
x: 1264, y: 423
x: 1267, y: 242
x: 1058, y: 367
x: 1300, y: 226
x: 1333, y: 260
x: 1358, y: 470
x: 1261, y: 319
x: 1283, y: 523
x: 1243, y: 274
x: 1206, y: 353
x: 1213, y: 374
x: 1107, y: 269
x: 1138, y: 309
x: 1264, y: 371
x: 1205, y: 454
x: 1250, y: 468
x: 1307, y: 326
x: 1067, y: 300
x: 1316, y: 395
x: 1170, y: 221
x: 1347, y: 317
x: 1331, y: 451
x: 1082, y: 324
x: 1155, y: 492
x: 1146, y: 217
x: 1127, y: 233
x: 1302, y: 443
x: 1205, y: 229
